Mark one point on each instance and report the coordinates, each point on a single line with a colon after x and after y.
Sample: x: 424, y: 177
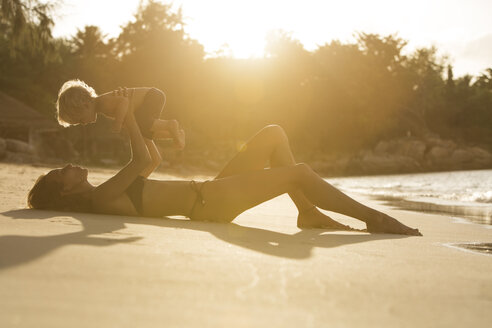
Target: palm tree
x: 27, y: 24
x: 89, y: 43
x: 13, y: 14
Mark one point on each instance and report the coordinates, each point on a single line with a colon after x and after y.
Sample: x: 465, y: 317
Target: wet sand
x: 85, y: 270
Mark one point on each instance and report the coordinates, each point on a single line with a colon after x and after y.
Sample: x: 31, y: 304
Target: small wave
x: 392, y: 185
x: 462, y: 187
x: 469, y: 197
x: 479, y: 197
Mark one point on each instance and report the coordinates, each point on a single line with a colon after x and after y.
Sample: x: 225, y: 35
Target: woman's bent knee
x: 304, y: 168
x: 274, y: 132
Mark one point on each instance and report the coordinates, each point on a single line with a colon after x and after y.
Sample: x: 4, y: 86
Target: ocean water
x: 460, y: 194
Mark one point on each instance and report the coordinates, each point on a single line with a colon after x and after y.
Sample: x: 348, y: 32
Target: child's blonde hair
x: 73, y: 96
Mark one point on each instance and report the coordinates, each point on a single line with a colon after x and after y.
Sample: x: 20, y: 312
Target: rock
x: 471, y: 158
x: 439, y: 155
x: 411, y: 148
x: 342, y: 162
x: 17, y: 146
x: 481, y: 157
x: 438, y: 142
x: 461, y: 156
x: 480, y: 153
x: 330, y: 165
x: 371, y: 163
x: 411, y: 154
x: 19, y: 157
x: 3, y: 148
x: 382, y: 148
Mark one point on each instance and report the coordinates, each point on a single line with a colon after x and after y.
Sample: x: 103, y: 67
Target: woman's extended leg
x: 228, y: 197
x: 272, y: 145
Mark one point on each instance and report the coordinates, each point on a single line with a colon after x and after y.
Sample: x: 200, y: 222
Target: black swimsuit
x: 199, y: 196
x: 135, y: 191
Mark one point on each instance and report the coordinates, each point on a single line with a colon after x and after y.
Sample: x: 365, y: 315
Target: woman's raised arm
x: 156, y: 157
x: 140, y: 159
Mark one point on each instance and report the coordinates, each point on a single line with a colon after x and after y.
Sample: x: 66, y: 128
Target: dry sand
x: 82, y: 270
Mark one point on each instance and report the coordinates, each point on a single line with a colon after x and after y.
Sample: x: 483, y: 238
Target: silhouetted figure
x: 243, y: 183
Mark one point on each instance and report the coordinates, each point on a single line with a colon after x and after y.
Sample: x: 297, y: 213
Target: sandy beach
x: 85, y: 270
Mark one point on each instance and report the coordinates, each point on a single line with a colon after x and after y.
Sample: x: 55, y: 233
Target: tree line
x: 336, y: 99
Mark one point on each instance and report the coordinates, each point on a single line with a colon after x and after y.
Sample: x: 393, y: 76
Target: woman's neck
x: 82, y: 188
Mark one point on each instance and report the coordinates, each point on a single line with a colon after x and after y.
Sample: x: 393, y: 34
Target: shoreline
x: 474, y: 213
x: 462, y: 194
x: 478, y: 213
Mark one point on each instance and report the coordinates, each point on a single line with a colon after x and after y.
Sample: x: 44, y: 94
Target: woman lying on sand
x: 243, y: 183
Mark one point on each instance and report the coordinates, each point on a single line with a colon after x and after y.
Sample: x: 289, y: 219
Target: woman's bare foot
x: 384, y: 223
x: 313, y: 218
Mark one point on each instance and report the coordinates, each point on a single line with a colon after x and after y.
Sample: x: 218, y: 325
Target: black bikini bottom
x: 199, y: 196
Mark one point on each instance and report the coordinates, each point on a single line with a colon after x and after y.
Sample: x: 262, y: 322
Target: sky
x: 460, y: 29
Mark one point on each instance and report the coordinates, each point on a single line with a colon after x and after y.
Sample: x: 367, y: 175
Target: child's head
x: 75, y: 103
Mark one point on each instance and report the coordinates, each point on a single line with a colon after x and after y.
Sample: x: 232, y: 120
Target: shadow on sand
x: 18, y: 249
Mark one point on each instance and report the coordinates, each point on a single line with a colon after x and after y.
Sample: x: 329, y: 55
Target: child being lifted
x: 78, y: 103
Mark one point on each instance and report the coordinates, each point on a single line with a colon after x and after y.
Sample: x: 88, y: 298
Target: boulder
x: 3, y: 148
x: 411, y: 154
x: 17, y: 146
x: 330, y: 165
x: 481, y: 157
x: 481, y: 153
x: 438, y: 142
x: 19, y: 157
x: 382, y: 148
x: 439, y: 155
x: 471, y: 158
x: 371, y: 163
x: 411, y: 148
x: 461, y: 156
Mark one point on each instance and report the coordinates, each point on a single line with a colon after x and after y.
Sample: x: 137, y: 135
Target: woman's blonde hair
x: 73, y: 96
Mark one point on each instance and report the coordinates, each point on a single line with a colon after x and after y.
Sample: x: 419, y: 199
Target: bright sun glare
x: 234, y: 28
x: 238, y: 28
x: 243, y: 44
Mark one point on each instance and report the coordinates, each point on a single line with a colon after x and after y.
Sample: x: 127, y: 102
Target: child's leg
x: 161, y: 130
x: 149, y: 111
x: 169, y: 129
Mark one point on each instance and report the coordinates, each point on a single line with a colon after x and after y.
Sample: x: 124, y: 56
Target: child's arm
x: 156, y: 158
x: 119, y: 115
x: 121, y: 109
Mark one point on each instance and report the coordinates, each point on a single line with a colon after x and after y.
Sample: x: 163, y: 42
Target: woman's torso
x: 159, y: 198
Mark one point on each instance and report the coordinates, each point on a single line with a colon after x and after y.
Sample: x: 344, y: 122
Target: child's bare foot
x: 177, y: 133
x: 386, y: 224
x: 179, y: 140
x: 313, y: 218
